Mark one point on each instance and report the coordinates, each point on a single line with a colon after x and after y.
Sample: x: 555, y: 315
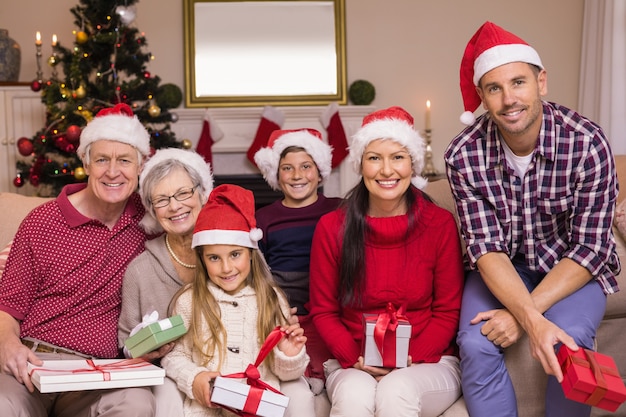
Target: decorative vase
x: 10, y: 57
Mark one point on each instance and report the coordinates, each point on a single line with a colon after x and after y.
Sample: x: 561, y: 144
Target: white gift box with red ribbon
x: 387, y: 337
x: 89, y: 374
x: 235, y: 394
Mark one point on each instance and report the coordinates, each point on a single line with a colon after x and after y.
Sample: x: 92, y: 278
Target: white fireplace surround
x: 240, y: 124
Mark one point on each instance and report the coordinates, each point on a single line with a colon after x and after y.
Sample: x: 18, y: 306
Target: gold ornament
x: 187, y: 144
x: 154, y: 110
x: 81, y: 37
x: 52, y: 61
x: 79, y: 173
x: 80, y: 92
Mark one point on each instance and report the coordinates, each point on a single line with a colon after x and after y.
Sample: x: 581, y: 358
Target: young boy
x: 296, y: 162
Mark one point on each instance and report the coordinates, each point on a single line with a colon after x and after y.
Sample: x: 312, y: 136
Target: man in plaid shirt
x: 535, y: 188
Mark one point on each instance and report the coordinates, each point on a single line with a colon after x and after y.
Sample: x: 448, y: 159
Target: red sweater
x: 422, y: 270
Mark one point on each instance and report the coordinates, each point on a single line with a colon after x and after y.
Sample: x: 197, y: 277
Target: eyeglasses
x: 181, y: 195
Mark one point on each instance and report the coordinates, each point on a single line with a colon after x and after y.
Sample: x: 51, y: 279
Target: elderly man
x: 60, y: 292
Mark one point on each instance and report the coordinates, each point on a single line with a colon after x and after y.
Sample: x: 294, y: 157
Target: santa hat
x: 395, y: 124
x: 119, y: 124
x: 191, y: 160
x: 268, y: 158
x: 490, y: 47
x: 227, y: 219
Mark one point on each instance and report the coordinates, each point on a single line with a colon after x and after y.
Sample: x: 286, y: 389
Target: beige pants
x: 421, y: 390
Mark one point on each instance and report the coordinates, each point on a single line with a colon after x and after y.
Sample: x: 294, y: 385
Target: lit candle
x: 38, y: 38
x: 427, y: 122
x: 54, y: 40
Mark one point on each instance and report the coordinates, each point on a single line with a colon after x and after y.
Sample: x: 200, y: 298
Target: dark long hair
x: 353, y: 262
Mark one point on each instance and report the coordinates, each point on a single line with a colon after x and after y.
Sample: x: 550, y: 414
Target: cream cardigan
x: 239, y: 315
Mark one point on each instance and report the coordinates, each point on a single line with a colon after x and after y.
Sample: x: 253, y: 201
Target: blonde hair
x: 206, y: 310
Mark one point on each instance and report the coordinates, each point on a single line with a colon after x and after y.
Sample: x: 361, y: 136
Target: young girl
x: 230, y: 308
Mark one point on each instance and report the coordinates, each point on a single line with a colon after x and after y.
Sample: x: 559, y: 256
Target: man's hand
x: 501, y: 327
x: 543, y: 336
x: 13, y: 358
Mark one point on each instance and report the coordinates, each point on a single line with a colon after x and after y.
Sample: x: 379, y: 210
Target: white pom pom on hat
x: 227, y: 219
x: 118, y: 124
x: 267, y: 159
x: 490, y: 47
x: 191, y: 159
x: 393, y: 123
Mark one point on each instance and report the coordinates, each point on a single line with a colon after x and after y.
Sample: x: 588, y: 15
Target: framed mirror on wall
x: 258, y: 52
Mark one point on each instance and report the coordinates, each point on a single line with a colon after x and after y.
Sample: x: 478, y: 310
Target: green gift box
x: 155, y: 335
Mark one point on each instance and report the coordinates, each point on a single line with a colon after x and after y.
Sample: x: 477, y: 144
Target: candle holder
x: 429, y: 168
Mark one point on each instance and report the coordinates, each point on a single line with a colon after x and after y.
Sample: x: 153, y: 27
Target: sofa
x: 611, y: 338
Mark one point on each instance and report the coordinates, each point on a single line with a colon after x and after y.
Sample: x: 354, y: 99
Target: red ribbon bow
x: 253, y: 377
x: 385, y: 334
x: 103, y: 369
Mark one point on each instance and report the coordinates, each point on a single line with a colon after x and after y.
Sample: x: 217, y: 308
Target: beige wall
x: 409, y: 49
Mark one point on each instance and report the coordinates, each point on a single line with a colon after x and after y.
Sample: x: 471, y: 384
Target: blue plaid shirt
x: 563, y: 207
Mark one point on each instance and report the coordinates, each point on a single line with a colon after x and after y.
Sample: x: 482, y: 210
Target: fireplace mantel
x: 239, y: 125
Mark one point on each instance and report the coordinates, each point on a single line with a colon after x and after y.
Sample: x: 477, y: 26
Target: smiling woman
x: 249, y: 53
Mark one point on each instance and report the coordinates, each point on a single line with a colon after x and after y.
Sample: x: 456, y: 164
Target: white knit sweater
x: 239, y: 314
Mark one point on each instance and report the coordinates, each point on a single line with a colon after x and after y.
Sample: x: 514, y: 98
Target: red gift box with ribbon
x: 591, y: 378
x: 256, y: 398
x: 387, y: 338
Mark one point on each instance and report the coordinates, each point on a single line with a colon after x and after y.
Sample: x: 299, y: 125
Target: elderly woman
x: 174, y: 185
x: 388, y: 244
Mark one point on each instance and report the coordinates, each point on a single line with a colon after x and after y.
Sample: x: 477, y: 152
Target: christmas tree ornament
x: 187, y: 144
x: 127, y: 14
x: 35, y: 85
x: 79, y: 173
x: 81, y: 37
x: 73, y: 134
x: 154, y: 110
x: 25, y: 146
x: 80, y: 92
x: 146, y: 74
x: 18, y: 181
x: 174, y: 117
x: 52, y: 61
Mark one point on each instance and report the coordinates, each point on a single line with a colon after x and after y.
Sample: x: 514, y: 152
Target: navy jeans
x: 487, y: 387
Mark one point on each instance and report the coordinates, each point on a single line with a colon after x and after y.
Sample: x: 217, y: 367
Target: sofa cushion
x: 16, y: 207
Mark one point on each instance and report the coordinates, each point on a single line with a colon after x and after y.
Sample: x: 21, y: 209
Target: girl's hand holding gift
x: 203, y: 386
x: 294, y: 340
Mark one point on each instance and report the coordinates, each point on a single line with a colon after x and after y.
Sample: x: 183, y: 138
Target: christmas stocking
x: 336, y: 135
x: 211, y: 133
x: 272, y: 119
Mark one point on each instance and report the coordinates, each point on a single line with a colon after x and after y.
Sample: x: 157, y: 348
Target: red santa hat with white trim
x: 396, y: 124
x: 267, y: 159
x: 118, y: 124
x: 227, y: 219
x: 490, y: 47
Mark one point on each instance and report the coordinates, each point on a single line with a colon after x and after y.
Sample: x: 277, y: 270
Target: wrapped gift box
x: 80, y: 375
x: 591, y: 378
x: 395, y: 343
x: 233, y: 394
x: 155, y: 335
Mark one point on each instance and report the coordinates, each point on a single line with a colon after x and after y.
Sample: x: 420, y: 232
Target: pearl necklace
x: 169, y: 249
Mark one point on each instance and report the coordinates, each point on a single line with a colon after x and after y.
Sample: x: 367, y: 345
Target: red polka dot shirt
x: 63, y: 277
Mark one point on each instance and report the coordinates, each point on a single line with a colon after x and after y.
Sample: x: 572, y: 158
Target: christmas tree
x: 106, y: 65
